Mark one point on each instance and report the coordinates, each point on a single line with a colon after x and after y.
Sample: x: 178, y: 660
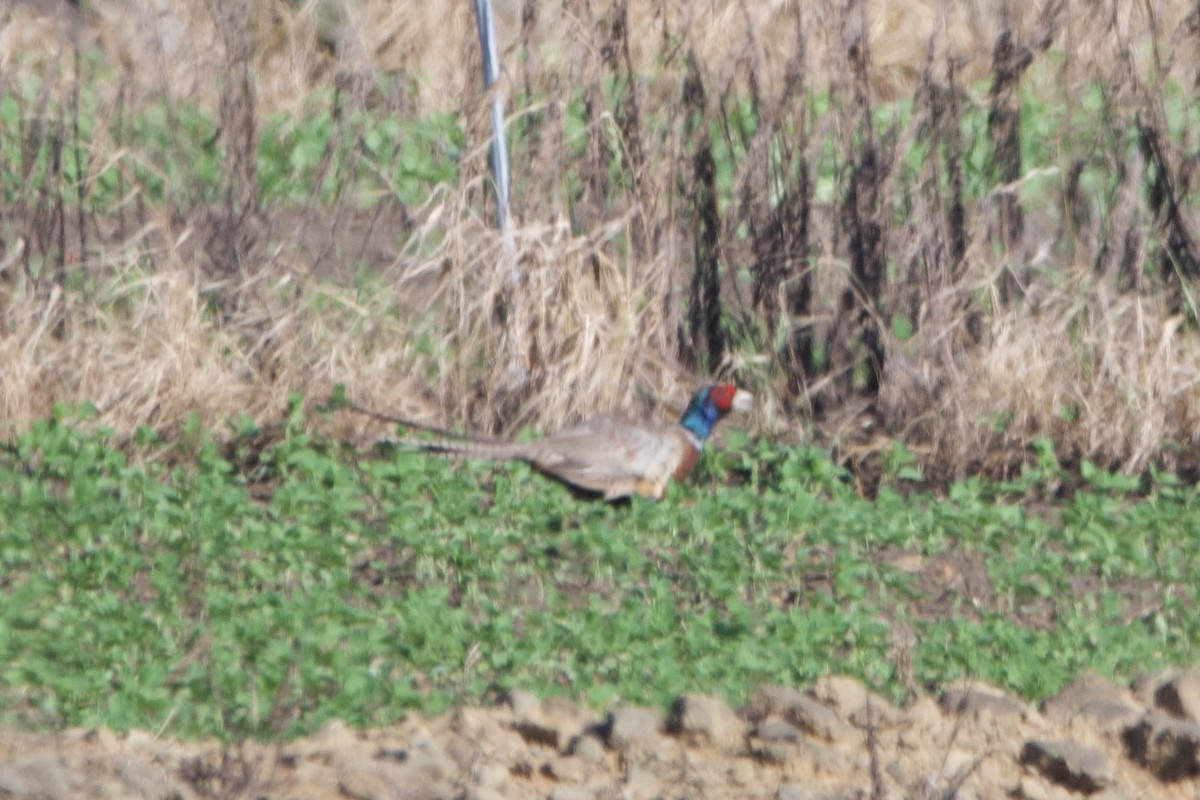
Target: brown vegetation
x: 965, y: 302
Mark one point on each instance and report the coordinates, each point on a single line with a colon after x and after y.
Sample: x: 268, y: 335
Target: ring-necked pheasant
x: 611, y: 455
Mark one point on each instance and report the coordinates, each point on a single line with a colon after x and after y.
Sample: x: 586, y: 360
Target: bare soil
x: 835, y: 740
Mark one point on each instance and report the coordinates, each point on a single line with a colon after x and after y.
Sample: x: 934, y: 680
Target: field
x: 953, y: 253
x: 267, y: 597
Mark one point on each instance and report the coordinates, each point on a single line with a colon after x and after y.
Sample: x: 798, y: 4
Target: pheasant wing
x: 612, y: 455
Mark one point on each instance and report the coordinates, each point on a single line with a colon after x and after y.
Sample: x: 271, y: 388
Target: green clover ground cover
x: 307, y: 584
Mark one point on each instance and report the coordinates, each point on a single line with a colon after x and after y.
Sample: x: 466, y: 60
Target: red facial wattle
x: 722, y: 395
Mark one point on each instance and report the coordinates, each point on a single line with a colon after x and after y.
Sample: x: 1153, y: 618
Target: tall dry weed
x: 1105, y: 376
x: 700, y: 189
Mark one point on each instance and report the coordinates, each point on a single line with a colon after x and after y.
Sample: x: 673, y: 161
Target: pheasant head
x: 709, y: 405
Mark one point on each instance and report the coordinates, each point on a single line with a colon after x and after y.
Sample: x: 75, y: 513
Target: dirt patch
x: 835, y: 740
x: 950, y: 584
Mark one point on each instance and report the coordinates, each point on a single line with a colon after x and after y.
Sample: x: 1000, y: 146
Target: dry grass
x: 1104, y: 375
x: 554, y: 326
x: 303, y: 44
x: 1032, y: 311
x: 147, y: 348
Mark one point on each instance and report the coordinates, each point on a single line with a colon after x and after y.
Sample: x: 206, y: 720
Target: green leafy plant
x: 215, y: 600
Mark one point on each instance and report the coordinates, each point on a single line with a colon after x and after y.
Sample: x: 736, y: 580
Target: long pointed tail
x: 440, y: 433
x: 496, y: 451
x: 444, y: 442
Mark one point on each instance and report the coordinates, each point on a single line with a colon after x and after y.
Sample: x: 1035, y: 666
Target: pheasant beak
x: 742, y: 401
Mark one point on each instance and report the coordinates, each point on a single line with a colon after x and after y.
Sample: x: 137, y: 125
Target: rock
x: 481, y: 793
x: 794, y: 791
x: 841, y: 693
x: 632, y: 728
x: 365, y: 786
x: 818, y: 720
x: 958, y: 764
x: 924, y: 712
x: 332, y: 737
x: 978, y: 700
x: 641, y: 784
x: 770, y: 701
x: 996, y: 770
x: 149, y: 782
x: 774, y: 751
x: 522, y: 702
x: 554, y: 723
x: 427, y: 756
x: 813, y: 755
x: 571, y: 793
x: 800, y: 710
x: 854, y: 702
x: 835, y: 761
x: 1180, y: 696
x: 1033, y: 789
x: 1168, y: 747
x: 1075, y: 766
x: 101, y: 737
x: 1146, y: 685
x: 40, y: 776
x: 135, y: 737
x: 588, y: 749
x: 776, y: 730
x: 1094, y: 699
x: 565, y: 769
x: 370, y: 778
x: 491, y: 775
x: 704, y: 718
x: 774, y: 741
x: 474, y: 723
x: 743, y: 772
